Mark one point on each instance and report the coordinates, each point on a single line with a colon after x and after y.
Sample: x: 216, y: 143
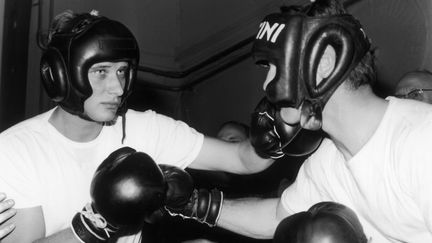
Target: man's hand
x: 6, y: 212
x: 182, y: 199
x: 126, y: 189
x: 263, y: 134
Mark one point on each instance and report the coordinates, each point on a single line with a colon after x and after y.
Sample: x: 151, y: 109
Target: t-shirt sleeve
x: 18, y: 178
x: 303, y: 193
x: 168, y: 141
x: 312, y: 182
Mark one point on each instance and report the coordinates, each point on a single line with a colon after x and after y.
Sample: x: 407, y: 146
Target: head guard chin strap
x: 295, y: 42
x: 88, y: 40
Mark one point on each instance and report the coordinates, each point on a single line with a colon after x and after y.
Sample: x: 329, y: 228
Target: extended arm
x: 239, y: 158
x: 252, y: 217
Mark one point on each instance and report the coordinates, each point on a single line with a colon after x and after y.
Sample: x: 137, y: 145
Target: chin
x: 105, y: 117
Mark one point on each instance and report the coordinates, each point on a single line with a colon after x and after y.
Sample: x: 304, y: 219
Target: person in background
x: 88, y: 69
x: 6, y: 212
x: 416, y: 85
x: 233, y: 131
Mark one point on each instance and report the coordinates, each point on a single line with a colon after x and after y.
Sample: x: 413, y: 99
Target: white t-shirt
x: 41, y: 167
x: 388, y: 183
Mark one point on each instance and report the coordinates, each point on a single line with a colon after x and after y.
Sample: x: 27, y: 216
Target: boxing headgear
x: 88, y: 40
x: 294, y: 42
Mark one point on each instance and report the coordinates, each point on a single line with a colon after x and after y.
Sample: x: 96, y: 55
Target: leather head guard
x: 69, y: 55
x: 295, y: 42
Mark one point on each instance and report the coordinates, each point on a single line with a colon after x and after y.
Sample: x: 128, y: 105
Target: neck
x: 351, y: 117
x: 74, y: 127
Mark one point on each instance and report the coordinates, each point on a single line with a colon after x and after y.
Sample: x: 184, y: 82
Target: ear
x: 326, y: 64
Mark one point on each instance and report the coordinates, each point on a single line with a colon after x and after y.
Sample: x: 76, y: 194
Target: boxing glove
x: 324, y: 222
x: 126, y: 188
x: 183, y: 200
x: 271, y: 137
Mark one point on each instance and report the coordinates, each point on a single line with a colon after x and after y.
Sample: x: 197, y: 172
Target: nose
x: 115, y: 85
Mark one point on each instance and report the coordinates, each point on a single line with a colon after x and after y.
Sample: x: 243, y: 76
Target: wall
x: 173, y: 36
x: 401, y: 34
x: 16, y: 19
x: 400, y: 30
x: 230, y: 95
x: 2, y: 5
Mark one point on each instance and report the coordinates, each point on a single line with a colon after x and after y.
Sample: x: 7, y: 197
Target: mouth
x: 111, y: 105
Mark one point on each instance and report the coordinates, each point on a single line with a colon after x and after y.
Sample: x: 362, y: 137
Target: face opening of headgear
x: 86, y: 40
x: 294, y: 41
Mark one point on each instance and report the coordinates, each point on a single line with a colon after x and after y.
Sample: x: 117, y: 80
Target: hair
x: 60, y: 23
x: 365, y: 71
x: 322, y: 8
x: 64, y: 22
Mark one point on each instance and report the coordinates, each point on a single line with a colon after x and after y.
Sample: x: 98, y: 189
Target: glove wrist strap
x: 204, y: 206
x: 209, y: 206
x: 91, y: 227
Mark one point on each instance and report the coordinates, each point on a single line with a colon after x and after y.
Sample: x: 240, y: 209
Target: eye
x: 263, y: 63
x: 415, y: 94
x: 121, y: 73
x: 98, y: 73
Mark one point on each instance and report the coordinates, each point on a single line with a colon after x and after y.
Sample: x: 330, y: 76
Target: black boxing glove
x: 271, y: 137
x: 183, y: 200
x: 126, y: 188
x: 264, y: 136
x: 329, y: 221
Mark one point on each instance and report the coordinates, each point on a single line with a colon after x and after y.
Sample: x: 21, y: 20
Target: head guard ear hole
x: 326, y: 64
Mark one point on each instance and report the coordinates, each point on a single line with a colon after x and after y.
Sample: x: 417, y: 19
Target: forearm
x: 66, y: 236
x: 252, y: 217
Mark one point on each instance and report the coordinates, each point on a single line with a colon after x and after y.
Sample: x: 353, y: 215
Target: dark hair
x: 60, y: 23
x: 364, y: 73
x: 324, y: 8
x: 65, y: 22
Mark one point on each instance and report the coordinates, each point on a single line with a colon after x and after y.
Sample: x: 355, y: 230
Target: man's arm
x: 29, y: 224
x: 30, y: 227
x: 65, y: 235
x: 252, y: 217
x: 239, y: 158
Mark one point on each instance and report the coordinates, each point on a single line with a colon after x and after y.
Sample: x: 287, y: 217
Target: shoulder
x: 35, y: 126
x: 152, y: 119
x: 324, y: 152
x: 133, y: 116
x: 411, y: 112
x: 413, y: 121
